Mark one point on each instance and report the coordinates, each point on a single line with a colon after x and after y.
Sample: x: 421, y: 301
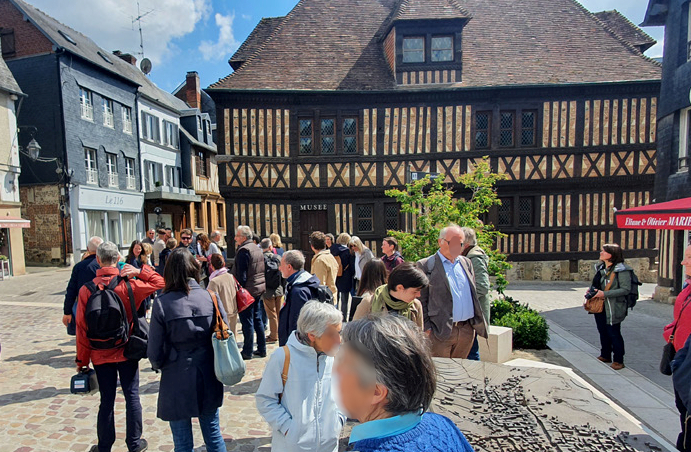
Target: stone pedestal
x: 498, y: 347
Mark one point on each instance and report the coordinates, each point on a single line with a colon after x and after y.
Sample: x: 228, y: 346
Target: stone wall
x: 560, y: 270
x: 43, y: 240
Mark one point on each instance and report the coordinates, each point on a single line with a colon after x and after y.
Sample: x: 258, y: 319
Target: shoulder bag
x: 244, y: 298
x: 284, y: 374
x: 229, y: 366
x: 595, y: 305
x: 135, y: 347
x: 668, y: 351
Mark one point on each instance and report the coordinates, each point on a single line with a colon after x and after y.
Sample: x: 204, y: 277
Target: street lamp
x: 34, y: 149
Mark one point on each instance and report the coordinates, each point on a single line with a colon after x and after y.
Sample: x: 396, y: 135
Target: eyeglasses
x: 185, y: 238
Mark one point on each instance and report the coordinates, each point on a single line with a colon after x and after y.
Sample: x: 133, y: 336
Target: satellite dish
x: 145, y: 65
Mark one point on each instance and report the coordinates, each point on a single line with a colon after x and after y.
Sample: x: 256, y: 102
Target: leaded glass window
x: 305, y: 136
x: 482, y: 129
x: 505, y: 212
x: 350, y: 136
x: 414, y: 50
x: 528, y: 128
x: 442, y: 48
x: 365, y: 217
x: 328, y: 136
x: 391, y: 217
x: 506, y: 129
x: 525, y: 211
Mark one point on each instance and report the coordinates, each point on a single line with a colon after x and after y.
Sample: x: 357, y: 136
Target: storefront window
x: 113, y: 228
x: 129, y: 227
x: 94, y: 220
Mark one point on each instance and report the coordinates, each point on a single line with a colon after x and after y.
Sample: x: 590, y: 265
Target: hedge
x: 530, y: 329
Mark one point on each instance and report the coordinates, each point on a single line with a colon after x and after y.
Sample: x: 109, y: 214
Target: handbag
x: 85, y: 382
x: 135, y: 347
x: 244, y: 298
x: 668, y: 351
x: 595, y: 305
x: 229, y: 366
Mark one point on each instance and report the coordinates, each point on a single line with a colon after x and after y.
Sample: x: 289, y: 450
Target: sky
x: 200, y: 35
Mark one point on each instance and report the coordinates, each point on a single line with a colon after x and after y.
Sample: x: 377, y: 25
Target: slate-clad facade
x: 673, y: 178
x: 338, y: 101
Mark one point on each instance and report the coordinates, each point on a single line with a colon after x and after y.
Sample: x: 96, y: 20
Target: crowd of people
x: 363, y: 352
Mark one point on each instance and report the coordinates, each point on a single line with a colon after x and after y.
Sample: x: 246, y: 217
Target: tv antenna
x: 138, y: 20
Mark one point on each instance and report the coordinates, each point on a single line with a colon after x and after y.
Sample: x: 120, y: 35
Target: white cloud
x: 109, y: 22
x: 246, y: 17
x: 226, y: 41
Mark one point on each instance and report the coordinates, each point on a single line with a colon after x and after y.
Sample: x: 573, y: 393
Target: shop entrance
x: 310, y: 221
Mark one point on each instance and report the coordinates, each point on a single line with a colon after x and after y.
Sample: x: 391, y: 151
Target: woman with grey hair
x: 386, y: 380
x: 362, y: 256
x: 295, y: 395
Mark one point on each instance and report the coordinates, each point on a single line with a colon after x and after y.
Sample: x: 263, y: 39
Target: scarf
x: 219, y: 272
x: 382, y: 298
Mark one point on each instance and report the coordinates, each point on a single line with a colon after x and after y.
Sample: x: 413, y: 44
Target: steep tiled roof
x: 7, y: 81
x: 255, y: 40
x: 328, y: 45
x: 430, y: 9
x: 78, y: 44
x: 627, y: 30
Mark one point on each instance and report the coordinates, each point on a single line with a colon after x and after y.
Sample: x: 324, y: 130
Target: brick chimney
x: 126, y: 57
x: 193, y: 94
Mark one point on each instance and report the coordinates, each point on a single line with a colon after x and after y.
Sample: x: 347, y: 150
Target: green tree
x: 433, y: 205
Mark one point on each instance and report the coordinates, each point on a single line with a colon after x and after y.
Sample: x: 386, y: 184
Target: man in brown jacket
x: 324, y: 265
x: 223, y: 283
x: 452, y: 312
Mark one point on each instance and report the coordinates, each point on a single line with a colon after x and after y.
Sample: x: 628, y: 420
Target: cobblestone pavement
x: 37, y: 361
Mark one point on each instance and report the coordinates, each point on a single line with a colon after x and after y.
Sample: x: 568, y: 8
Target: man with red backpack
x: 104, y: 325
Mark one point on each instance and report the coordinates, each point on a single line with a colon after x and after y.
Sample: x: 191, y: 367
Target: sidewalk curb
x: 651, y: 404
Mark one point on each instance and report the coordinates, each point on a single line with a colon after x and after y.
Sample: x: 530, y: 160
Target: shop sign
x: 313, y: 207
x: 101, y: 199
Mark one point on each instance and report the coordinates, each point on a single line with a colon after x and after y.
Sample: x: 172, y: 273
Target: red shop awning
x: 14, y: 222
x: 665, y: 215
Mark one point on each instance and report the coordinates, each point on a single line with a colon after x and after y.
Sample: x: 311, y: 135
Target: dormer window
x: 442, y: 48
x: 414, y: 50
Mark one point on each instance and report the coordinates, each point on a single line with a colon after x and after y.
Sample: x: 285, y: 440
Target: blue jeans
x: 107, y: 375
x: 611, y: 340
x: 474, y: 354
x: 211, y: 431
x: 251, y: 320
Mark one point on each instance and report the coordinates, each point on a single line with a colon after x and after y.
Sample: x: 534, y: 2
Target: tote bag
x: 229, y: 366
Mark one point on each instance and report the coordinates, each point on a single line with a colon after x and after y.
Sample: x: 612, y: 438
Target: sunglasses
x: 185, y: 238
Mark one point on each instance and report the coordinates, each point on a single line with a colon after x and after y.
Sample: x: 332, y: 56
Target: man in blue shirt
x: 452, y: 311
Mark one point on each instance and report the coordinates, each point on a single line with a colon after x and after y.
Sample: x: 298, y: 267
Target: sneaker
x: 246, y: 357
x: 93, y: 449
x: 143, y: 446
x: 261, y: 355
x: 604, y: 360
x: 617, y: 366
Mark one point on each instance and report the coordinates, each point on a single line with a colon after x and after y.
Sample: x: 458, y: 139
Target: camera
x: 591, y: 292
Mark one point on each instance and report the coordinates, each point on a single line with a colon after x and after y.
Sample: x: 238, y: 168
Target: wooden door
x: 310, y: 221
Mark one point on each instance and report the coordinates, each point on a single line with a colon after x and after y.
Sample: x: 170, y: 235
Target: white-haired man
x: 295, y: 396
x: 452, y: 311
x: 82, y: 273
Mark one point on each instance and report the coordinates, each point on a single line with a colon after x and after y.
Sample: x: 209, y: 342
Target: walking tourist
x: 344, y: 282
x: 150, y: 237
x: 134, y: 254
x: 171, y: 243
x: 452, y: 311
x: 180, y: 347
x: 386, y: 379
x: 205, y: 248
x: 158, y: 246
x: 276, y: 242
x: 362, y: 256
x: 330, y: 241
x: 222, y: 282
x: 324, y: 265
x: 613, y: 279
x: 391, y: 258
x: 295, y: 394
x: 678, y: 333
x: 301, y: 287
x: 249, y: 271
x: 480, y: 262
x: 398, y: 296
x: 373, y: 277
x: 216, y: 239
x: 82, y: 273
x: 110, y: 364
x: 273, y: 297
x: 186, y: 241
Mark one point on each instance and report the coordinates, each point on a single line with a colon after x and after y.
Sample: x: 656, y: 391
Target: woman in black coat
x: 180, y: 347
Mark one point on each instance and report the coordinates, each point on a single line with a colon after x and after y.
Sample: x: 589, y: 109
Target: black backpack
x: 271, y: 272
x: 107, y: 326
x: 632, y: 297
x: 324, y: 295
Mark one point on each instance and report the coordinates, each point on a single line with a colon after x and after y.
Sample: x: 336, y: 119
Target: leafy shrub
x: 530, y: 329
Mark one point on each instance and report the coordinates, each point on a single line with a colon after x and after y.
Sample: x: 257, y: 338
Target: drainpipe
x: 64, y: 188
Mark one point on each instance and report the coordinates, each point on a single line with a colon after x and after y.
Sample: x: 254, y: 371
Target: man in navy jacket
x: 82, y: 273
x: 301, y: 287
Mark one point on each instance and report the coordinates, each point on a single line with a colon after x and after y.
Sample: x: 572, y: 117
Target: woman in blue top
x: 386, y: 378
x: 134, y: 254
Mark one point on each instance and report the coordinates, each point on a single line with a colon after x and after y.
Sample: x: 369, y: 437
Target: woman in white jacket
x: 299, y: 406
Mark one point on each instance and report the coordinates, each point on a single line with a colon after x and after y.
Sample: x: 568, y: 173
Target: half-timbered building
x: 336, y: 102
